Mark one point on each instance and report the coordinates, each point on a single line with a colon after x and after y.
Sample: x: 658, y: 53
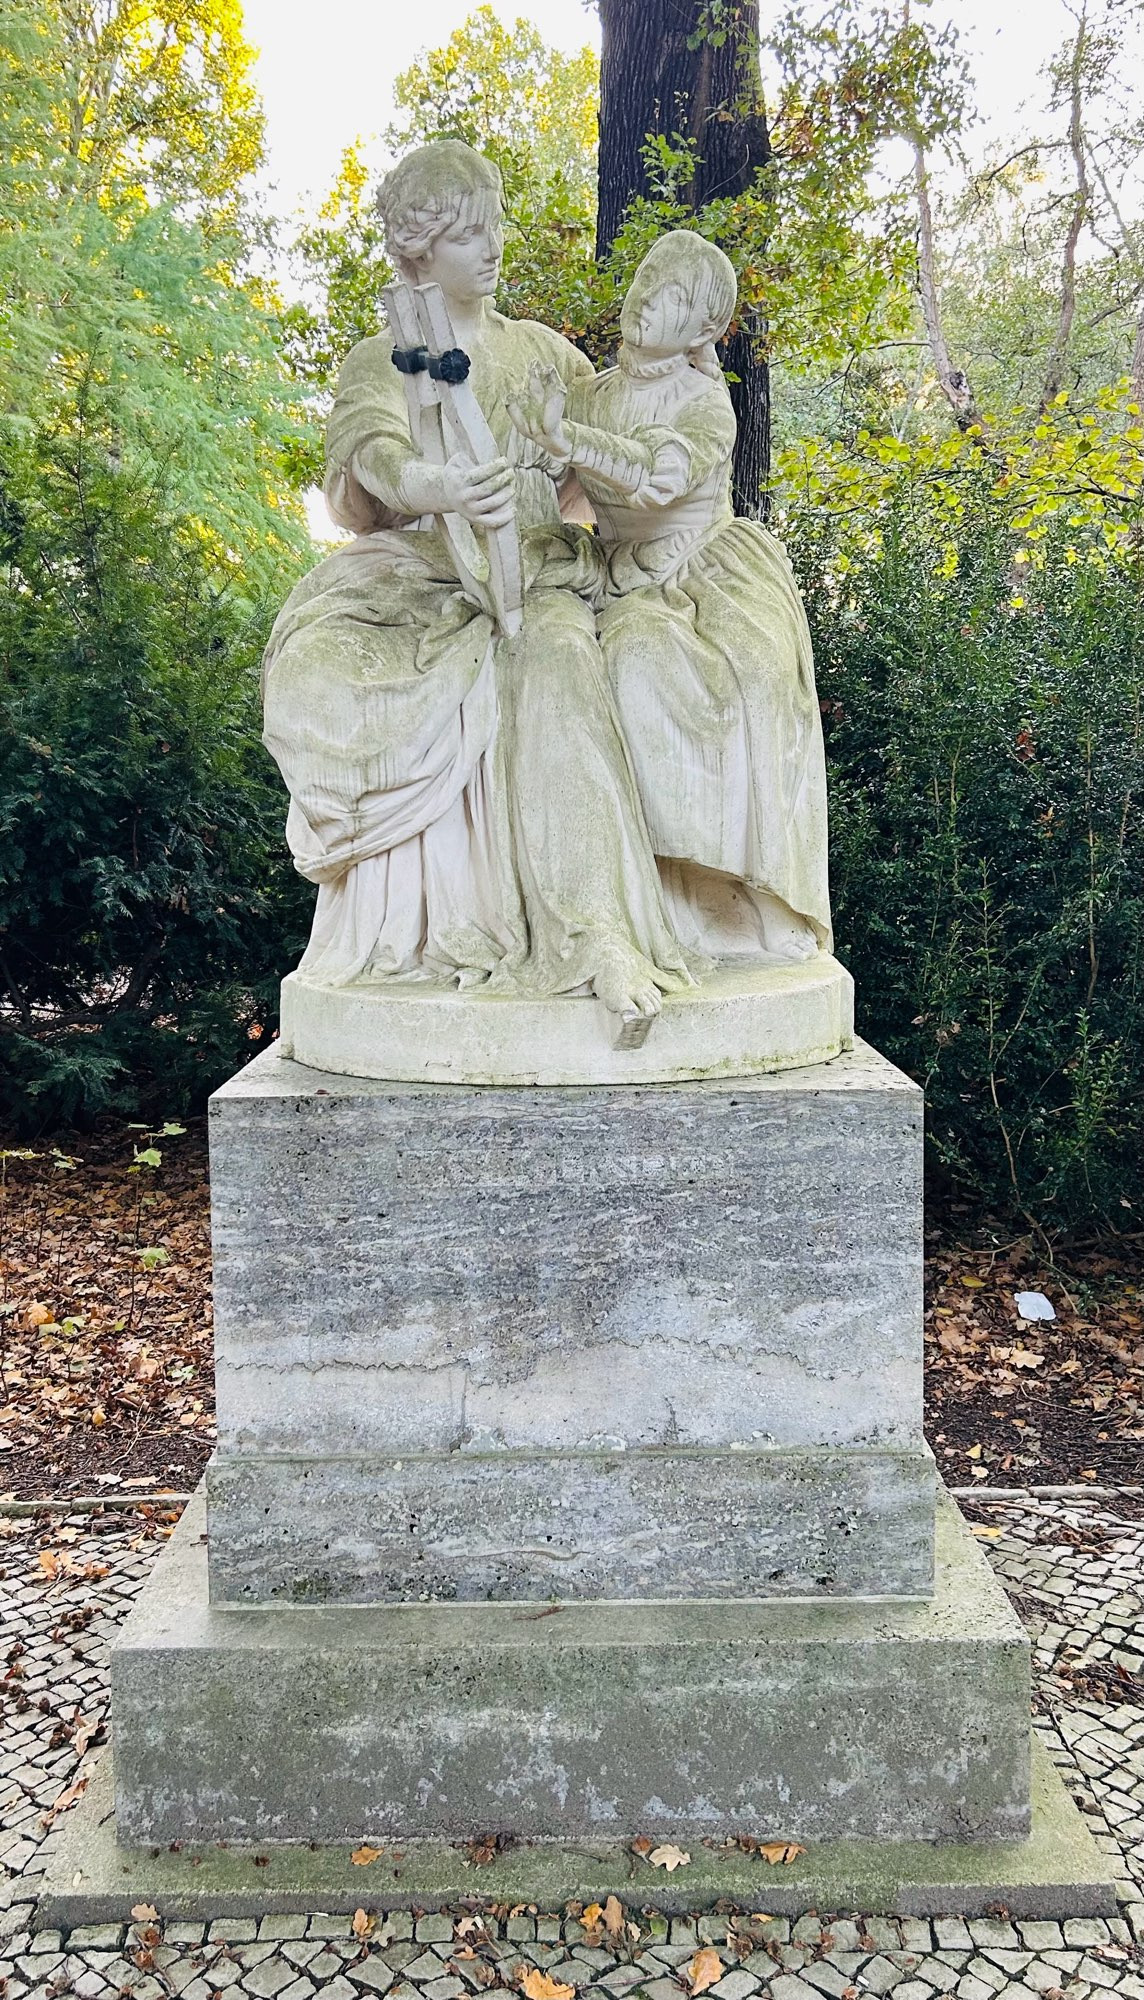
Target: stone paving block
x: 269, y: 1978
x: 374, y: 1973
x: 279, y: 1928
x: 881, y: 1975
x: 735, y: 1985
x: 825, y: 1977
x: 941, y: 1978
x: 437, y: 1928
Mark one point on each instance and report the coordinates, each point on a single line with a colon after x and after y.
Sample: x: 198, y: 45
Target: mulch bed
x: 105, y: 1334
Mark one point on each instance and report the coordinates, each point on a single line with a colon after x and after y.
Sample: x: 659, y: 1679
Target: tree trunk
x: 652, y: 83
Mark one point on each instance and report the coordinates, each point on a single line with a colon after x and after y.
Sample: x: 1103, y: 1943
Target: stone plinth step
x: 818, y: 1720
x: 1058, y: 1872
x: 646, y: 1523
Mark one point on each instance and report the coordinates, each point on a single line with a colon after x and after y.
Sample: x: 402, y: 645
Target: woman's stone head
x: 443, y: 211
x: 681, y: 299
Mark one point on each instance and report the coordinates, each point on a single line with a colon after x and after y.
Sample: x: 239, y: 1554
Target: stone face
x: 898, y: 1722
x: 422, y: 1273
x: 647, y: 1523
x: 739, y: 1022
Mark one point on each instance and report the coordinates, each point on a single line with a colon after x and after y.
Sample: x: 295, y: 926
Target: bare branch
x: 954, y: 381
x: 1081, y: 204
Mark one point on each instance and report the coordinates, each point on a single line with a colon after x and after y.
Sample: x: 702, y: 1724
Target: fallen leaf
x: 780, y: 1851
x: 974, y: 1451
x: 613, y: 1916
x: 538, y: 1985
x: 1023, y: 1357
x: 974, y: 1284
x: 591, y: 1916
x: 38, y: 1315
x: 145, y: 1913
x: 668, y: 1857
x: 362, y: 1856
x: 705, y: 1970
x: 987, y: 1534
x: 641, y: 1844
x: 84, y: 1733
x: 362, y: 1924
x: 49, y: 1562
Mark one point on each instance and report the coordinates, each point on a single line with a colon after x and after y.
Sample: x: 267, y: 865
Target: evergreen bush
x: 985, y: 741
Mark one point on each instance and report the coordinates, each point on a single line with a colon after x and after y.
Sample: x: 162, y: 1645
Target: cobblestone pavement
x: 1076, y: 1572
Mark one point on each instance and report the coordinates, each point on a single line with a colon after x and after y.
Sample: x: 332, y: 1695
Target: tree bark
x: 1082, y: 202
x: 653, y: 83
x: 955, y: 383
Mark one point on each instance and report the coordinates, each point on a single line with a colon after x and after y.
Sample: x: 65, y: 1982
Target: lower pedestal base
x: 812, y: 1721
x: 1058, y: 1871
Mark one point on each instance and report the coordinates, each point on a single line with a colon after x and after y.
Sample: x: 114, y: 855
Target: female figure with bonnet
x: 703, y: 627
x: 466, y: 806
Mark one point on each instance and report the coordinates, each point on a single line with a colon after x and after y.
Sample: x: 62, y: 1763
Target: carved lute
x: 446, y: 421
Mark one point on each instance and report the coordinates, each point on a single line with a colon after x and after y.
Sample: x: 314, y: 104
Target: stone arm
x: 374, y: 477
x: 651, y: 465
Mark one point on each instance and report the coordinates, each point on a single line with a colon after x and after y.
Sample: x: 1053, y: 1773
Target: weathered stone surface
x: 899, y: 1722
x: 739, y: 1022
x: 404, y: 1267
x: 647, y: 1523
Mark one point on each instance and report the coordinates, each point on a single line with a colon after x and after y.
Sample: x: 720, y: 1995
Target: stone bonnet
x: 431, y: 189
x: 704, y: 276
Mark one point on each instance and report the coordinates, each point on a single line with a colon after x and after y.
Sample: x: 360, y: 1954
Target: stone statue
x: 530, y: 763
x: 702, y: 627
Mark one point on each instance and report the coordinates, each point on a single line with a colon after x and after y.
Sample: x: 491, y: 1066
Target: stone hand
x: 483, y: 494
x: 539, y: 413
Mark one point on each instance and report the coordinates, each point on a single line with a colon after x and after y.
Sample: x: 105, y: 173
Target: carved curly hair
x: 429, y: 190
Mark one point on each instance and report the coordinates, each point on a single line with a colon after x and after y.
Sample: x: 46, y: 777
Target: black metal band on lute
x: 410, y: 360
x: 452, y: 366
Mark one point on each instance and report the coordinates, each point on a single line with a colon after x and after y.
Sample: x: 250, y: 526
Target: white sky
x: 326, y: 74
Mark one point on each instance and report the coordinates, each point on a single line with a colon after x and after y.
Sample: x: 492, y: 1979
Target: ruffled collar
x: 638, y: 370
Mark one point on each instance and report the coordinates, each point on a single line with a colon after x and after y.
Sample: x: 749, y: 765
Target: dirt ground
x: 105, y: 1334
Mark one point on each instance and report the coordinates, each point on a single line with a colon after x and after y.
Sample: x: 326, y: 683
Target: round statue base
x: 739, y: 1022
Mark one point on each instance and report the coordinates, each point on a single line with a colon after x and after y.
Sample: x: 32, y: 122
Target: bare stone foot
x: 631, y: 999
x: 785, y: 936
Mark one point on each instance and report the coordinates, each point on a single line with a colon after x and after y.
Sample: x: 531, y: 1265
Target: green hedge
x: 984, y: 741
x: 147, y: 904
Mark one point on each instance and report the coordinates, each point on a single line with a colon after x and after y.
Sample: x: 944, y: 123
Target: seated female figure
x: 465, y: 803
x: 703, y: 628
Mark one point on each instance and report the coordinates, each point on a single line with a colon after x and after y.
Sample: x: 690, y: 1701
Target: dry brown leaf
x: 668, y: 1857
x: 705, y: 1970
x: 641, y: 1844
x: 145, y: 1913
x: 613, y: 1916
x: 362, y: 1856
x: 68, y: 1798
x: 38, y: 1315
x: 538, y: 1985
x: 85, y: 1731
x: 362, y: 1924
x: 780, y: 1852
x: 1024, y: 1357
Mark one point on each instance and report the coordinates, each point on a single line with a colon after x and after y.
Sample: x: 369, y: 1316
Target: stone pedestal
x: 642, y: 1342
x: 570, y: 1481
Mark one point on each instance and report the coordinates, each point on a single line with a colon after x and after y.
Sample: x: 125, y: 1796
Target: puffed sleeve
x: 368, y: 432
x: 654, y: 464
